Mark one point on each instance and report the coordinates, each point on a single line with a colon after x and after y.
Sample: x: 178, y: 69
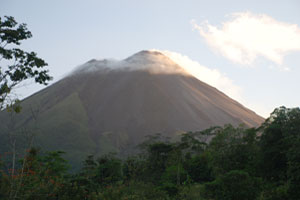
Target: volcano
x: 108, y: 105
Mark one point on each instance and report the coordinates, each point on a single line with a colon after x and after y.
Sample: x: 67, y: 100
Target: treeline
x: 220, y: 163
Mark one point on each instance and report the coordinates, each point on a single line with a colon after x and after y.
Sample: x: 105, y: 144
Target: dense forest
x: 220, y: 163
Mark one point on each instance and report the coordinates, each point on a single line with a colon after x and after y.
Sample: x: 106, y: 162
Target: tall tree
x: 280, y: 142
x: 16, y: 64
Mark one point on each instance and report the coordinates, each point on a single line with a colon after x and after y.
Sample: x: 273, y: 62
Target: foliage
x: 237, y: 163
x: 234, y: 149
x: 40, y: 177
x: 234, y: 185
x: 108, y: 171
x: 18, y: 65
x: 198, y: 168
x: 280, y: 147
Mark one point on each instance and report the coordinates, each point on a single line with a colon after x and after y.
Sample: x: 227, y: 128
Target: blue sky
x: 251, y: 46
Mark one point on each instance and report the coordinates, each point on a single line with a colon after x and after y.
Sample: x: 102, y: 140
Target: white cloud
x: 212, y: 77
x: 247, y: 36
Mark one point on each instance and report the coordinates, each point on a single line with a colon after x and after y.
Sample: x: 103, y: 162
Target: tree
x: 42, y: 177
x: 280, y: 146
x: 234, y: 185
x: 109, y: 170
x: 17, y: 65
x: 234, y: 149
x: 198, y: 168
x: 281, y: 131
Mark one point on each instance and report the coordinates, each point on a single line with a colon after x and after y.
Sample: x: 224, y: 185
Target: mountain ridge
x: 114, y: 106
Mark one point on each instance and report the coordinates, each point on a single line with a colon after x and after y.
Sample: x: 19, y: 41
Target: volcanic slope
x: 109, y: 105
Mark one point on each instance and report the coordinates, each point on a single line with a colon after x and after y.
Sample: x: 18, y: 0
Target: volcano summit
x: 110, y: 105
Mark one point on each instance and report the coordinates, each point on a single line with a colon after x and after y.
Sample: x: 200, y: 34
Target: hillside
x: 107, y: 105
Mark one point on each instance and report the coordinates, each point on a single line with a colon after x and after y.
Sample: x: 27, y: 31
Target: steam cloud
x: 212, y: 77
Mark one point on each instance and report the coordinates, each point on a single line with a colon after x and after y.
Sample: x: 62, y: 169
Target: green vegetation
x: 220, y: 163
x: 18, y: 65
x: 237, y: 164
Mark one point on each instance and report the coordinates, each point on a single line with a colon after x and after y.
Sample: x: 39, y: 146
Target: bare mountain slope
x: 112, y: 105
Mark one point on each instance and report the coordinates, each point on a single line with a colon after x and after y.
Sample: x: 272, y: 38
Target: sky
x: 250, y: 50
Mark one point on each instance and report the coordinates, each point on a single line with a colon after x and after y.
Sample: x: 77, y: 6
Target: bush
x: 234, y: 185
